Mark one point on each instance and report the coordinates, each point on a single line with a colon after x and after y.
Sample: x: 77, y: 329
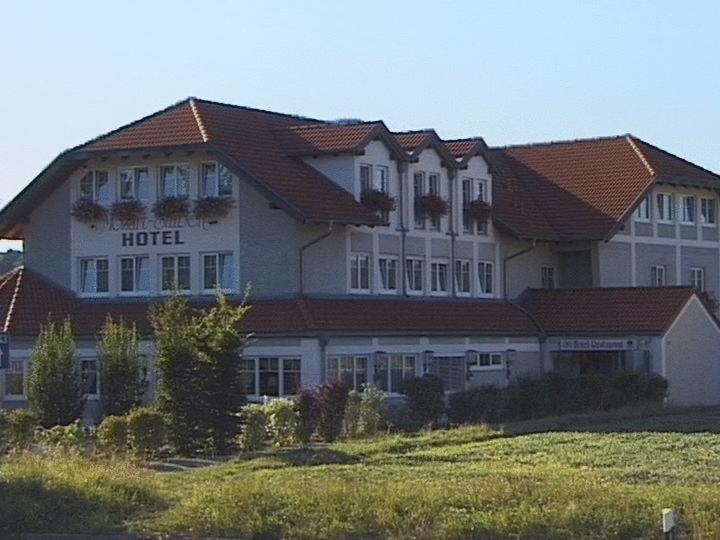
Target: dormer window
x: 642, y: 213
x: 175, y: 181
x: 665, y: 207
x: 688, y: 209
x: 95, y: 186
x: 216, y: 181
x: 708, y: 211
x: 135, y: 184
x: 374, y: 177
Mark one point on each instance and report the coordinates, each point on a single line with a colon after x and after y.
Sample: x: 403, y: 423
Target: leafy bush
x: 398, y: 416
x: 146, y: 431
x: 281, y: 422
x: 308, y: 411
x: 120, y: 368
x: 353, y: 425
x: 21, y: 426
x: 254, y: 427
x: 425, y: 398
x: 113, y: 433
x: 553, y: 395
x: 371, y: 409
x: 70, y: 438
x: 332, y: 398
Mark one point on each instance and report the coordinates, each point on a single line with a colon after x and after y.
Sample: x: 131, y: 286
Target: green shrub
x: 254, y: 427
x: 371, y: 409
x: 353, y: 427
x: 398, y: 416
x: 332, y: 399
x: 70, y: 438
x: 21, y: 426
x: 479, y: 405
x: 113, y: 433
x: 426, y: 398
x: 308, y: 412
x: 120, y: 368
x: 146, y: 431
x: 281, y: 422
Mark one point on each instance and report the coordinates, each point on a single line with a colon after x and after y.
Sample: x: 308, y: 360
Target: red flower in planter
x: 128, y: 211
x: 432, y: 206
x: 378, y: 201
x: 171, y: 208
x: 212, y: 207
x: 87, y: 211
x: 478, y: 211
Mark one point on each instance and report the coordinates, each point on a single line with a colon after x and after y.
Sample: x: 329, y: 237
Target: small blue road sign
x: 4, y: 351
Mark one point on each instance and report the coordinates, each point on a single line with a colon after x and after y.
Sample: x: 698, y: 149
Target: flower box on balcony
x: 89, y: 212
x: 378, y: 201
x: 432, y: 206
x: 212, y: 207
x: 478, y: 211
x: 128, y: 211
x: 171, y: 208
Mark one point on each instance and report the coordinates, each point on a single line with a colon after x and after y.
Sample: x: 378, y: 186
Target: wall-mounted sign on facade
x: 598, y: 344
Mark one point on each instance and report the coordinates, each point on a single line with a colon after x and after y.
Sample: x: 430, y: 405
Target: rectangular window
x: 485, y: 277
x: 175, y: 181
x: 388, y: 268
x: 247, y: 376
x: 665, y: 207
x: 216, y: 180
x: 697, y: 278
x: 135, y: 184
x: 547, y: 277
x: 657, y: 276
x: 688, y: 209
x: 94, y: 276
x: 382, y: 178
x: 414, y: 275
x: 467, y: 197
x: 708, y: 211
x: 175, y: 273
x: 642, y: 212
x: 95, y: 186
x: 418, y: 191
x: 482, y: 361
x: 439, y: 278
x: 89, y: 377
x: 15, y: 379
x: 365, y: 178
x: 218, y: 271
x: 134, y: 274
x: 271, y: 376
x: 359, y: 272
x: 352, y: 370
x: 462, y: 277
x: 434, y: 189
x: 391, y: 370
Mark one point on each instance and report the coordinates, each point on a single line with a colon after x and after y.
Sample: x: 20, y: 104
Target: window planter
x: 478, y: 211
x: 89, y: 212
x: 128, y: 211
x: 432, y: 206
x: 171, y: 208
x: 378, y: 201
x: 212, y: 207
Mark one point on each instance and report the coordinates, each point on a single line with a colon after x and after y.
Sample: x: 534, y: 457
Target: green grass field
x: 590, y: 477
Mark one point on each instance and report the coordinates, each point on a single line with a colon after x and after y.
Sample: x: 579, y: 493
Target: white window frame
x: 175, y: 180
x: 280, y: 373
x: 10, y: 370
x: 411, y: 264
x: 463, y: 267
x: 658, y: 275
x: 477, y: 361
x: 218, y: 277
x: 386, y: 260
x: 485, y: 288
x: 466, y: 196
x: 216, y: 192
x: 357, y: 360
x: 381, y: 178
x: 93, y: 174
x: 435, y: 268
x: 137, y: 276
x: 81, y: 277
x: 366, y: 184
x: 643, y: 212
x: 705, y: 204
x: 81, y: 373
x: 405, y: 358
x: 419, y: 222
x: 548, y: 277
x: 686, y: 218
x: 135, y: 183
x: 434, y: 188
x: 356, y: 258
x: 697, y: 278
x: 665, y: 210
x: 176, y: 271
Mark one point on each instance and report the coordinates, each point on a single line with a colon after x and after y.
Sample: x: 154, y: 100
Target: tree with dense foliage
x: 120, y: 368
x: 332, y: 400
x: 54, y: 389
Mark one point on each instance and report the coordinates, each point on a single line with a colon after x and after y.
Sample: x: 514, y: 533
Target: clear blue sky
x: 512, y: 72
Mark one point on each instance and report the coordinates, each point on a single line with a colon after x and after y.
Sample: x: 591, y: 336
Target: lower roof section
x: 28, y: 301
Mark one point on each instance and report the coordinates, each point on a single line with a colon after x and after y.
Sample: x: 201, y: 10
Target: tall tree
x: 121, y: 386
x: 54, y: 389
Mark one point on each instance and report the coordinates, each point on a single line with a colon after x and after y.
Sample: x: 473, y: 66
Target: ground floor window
x: 15, y: 379
x: 392, y: 369
x: 480, y: 361
x: 270, y: 376
x: 352, y: 370
x: 89, y: 377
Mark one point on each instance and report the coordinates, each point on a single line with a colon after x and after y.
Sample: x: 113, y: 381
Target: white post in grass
x: 669, y: 524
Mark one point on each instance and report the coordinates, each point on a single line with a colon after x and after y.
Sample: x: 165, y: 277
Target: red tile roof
x: 27, y: 301
x: 629, y: 310
x: 326, y: 138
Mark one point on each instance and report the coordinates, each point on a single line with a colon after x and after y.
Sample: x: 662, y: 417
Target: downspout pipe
x: 402, y: 176
x: 509, y: 258
x: 452, y: 232
x: 304, y: 247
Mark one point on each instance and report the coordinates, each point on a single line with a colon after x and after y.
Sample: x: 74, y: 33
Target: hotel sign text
x: 153, y: 232
x: 598, y: 344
